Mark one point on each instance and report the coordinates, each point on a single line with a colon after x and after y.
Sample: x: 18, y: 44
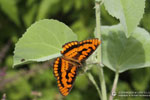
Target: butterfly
x: 73, y: 55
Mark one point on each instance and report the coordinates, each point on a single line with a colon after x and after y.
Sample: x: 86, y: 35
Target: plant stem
x: 95, y: 84
x: 99, y: 52
x: 102, y: 83
x: 114, y: 86
x: 97, y: 12
x: 98, y: 25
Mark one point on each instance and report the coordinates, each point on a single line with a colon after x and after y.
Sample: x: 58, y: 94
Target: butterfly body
x: 73, y: 55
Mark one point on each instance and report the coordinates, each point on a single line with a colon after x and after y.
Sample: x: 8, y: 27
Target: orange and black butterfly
x: 73, y: 55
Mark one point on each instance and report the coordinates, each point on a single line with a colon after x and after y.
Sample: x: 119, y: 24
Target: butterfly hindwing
x: 65, y: 72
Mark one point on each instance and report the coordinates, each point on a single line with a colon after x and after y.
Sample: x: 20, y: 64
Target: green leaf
x: 121, y: 53
x: 10, y: 8
x: 129, y: 12
x: 42, y: 41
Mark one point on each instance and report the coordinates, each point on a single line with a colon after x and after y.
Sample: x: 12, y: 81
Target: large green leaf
x: 42, y: 41
x: 129, y: 12
x: 10, y: 8
x: 121, y: 53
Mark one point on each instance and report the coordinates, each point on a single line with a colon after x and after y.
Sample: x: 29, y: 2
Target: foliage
x: 121, y: 53
x: 36, y: 81
x: 46, y: 40
x: 128, y: 12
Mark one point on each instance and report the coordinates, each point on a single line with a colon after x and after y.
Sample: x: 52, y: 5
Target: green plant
x: 124, y: 46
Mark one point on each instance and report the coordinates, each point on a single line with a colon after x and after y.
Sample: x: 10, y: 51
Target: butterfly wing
x: 80, y: 50
x: 65, y: 72
x: 65, y: 68
x: 70, y: 49
x: 86, y: 48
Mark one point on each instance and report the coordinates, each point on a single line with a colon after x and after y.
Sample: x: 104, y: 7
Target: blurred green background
x: 36, y: 81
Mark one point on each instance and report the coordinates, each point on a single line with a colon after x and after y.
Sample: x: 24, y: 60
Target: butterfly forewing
x: 65, y: 72
x: 86, y: 48
x: 70, y: 48
x: 80, y: 50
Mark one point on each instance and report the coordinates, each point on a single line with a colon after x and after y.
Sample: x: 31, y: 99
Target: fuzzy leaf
x: 121, y: 53
x: 10, y: 9
x: 42, y: 41
x: 129, y: 12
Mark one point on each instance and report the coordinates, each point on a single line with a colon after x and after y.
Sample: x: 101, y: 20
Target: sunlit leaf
x: 42, y: 41
x: 121, y: 53
x: 129, y: 12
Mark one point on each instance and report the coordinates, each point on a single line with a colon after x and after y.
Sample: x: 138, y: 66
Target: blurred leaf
x: 9, y: 61
x: 78, y: 4
x: 10, y: 8
x: 141, y: 82
x: 43, y: 79
x: 121, y: 53
x: 80, y: 30
x: 123, y: 86
x: 67, y: 4
x: 74, y: 95
x: 14, y: 39
x: 146, y: 21
x: 129, y: 12
x: 18, y: 90
x: 95, y: 70
x: 49, y: 94
x: 81, y: 82
x: 45, y: 7
x: 42, y: 41
x: 30, y: 15
x: 30, y: 2
x: 93, y: 81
